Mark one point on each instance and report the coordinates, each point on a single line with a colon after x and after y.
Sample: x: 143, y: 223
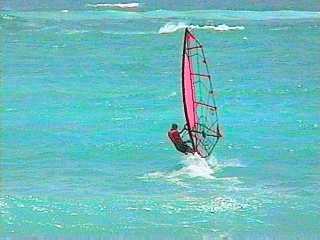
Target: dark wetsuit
x: 181, y: 146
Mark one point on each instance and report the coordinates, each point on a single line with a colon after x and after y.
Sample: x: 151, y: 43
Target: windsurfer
x: 176, y: 139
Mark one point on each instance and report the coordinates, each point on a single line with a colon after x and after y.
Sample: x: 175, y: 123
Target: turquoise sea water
x: 87, y: 98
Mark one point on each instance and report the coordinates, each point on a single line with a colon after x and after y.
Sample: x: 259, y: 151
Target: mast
x: 184, y: 56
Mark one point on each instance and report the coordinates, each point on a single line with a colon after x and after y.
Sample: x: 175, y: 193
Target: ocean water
x: 87, y: 98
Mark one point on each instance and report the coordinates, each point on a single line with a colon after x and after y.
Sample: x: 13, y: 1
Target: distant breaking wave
x: 7, y: 17
x: 71, y: 32
x: 112, y: 12
x: 114, y: 5
x: 173, y: 27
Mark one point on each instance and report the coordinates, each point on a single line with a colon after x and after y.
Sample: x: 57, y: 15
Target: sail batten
x: 199, y: 104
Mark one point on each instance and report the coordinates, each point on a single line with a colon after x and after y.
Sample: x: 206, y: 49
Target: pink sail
x: 199, y: 104
x: 188, y: 86
x: 189, y: 97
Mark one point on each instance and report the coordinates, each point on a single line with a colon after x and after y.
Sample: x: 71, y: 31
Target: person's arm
x: 184, y: 128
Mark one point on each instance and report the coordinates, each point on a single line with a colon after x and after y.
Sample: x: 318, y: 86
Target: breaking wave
x: 173, y: 27
x: 111, y: 12
x: 114, y: 5
x: 71, y: 32
x: 7, y: 17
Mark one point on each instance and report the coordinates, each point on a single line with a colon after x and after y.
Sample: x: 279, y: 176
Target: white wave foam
x: 7, y: 17
x: 65, y: 11
x: 173, y: 27
x: 171, y: 178
x: 172, y: 94
x: 112, y: 12
x: 121, y: 119
x: 234, y: 162
x: 279, y: 29
x: 195, y: 166
x: 114, y: 5
x: 224, y: 27
x: 71, y: 32
x: 206, y: 205
x: 223, y: 204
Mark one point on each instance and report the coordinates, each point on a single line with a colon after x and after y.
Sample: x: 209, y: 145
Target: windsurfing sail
x: 198, y: 97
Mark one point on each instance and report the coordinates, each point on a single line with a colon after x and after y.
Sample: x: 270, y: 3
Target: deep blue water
x: 87, y: 99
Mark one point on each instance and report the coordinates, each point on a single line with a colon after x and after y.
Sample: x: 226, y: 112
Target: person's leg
x: 181, y: 148
x: 184, y: 148
x: 188, y: 149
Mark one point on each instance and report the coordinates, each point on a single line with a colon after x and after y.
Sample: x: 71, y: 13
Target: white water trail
x: 193, y: 166
x: 196, y: 166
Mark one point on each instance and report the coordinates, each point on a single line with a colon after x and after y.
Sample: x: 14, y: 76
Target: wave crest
x: 111, y: 11
x: 173, y: 27
x: 74, y: 31
x: 133, y: 5
x: 7, y: 17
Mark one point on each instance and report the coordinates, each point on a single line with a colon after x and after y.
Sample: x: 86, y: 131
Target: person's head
x: 174, y: 126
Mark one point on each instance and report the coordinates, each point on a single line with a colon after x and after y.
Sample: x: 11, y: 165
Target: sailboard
x: 200, y: 110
